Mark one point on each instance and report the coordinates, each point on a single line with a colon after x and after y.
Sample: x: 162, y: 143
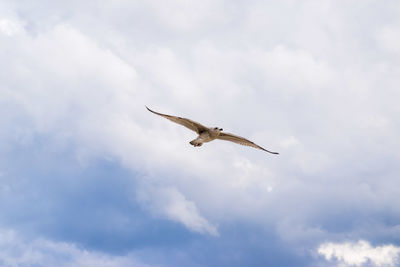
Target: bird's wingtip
x: 271, y: 152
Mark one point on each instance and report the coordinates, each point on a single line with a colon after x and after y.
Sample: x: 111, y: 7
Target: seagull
x: 207, y: 134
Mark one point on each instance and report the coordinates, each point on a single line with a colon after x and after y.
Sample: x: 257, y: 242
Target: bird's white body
x: 206, y: 136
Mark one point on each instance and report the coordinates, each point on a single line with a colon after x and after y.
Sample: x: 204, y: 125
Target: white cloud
x: 311, y: 87
x: 389, y: 40
x: 9, y: 27
x: 188, y: 14
x: 170, y: 203
x: 16, y: 250
x: 80, y: 91
x: 360, y: 253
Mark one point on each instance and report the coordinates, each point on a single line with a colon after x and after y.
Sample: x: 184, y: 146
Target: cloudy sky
x: 88, y: 177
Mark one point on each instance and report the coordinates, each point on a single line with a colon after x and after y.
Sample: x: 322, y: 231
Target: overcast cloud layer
x: 88, y: 177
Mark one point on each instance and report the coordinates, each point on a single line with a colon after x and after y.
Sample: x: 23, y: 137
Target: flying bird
x: 207, y: 134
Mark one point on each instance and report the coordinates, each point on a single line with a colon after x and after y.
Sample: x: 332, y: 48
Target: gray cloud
x: 17, y: 251
x: 320, y: 76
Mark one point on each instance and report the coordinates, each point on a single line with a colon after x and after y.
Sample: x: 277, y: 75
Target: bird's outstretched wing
x: 192, y: 125
x: 241, y: 141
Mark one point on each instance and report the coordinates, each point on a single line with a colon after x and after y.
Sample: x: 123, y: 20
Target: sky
x: 89, y: 177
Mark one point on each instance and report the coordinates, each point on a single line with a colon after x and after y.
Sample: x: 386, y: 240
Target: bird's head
x: 217, y: 129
